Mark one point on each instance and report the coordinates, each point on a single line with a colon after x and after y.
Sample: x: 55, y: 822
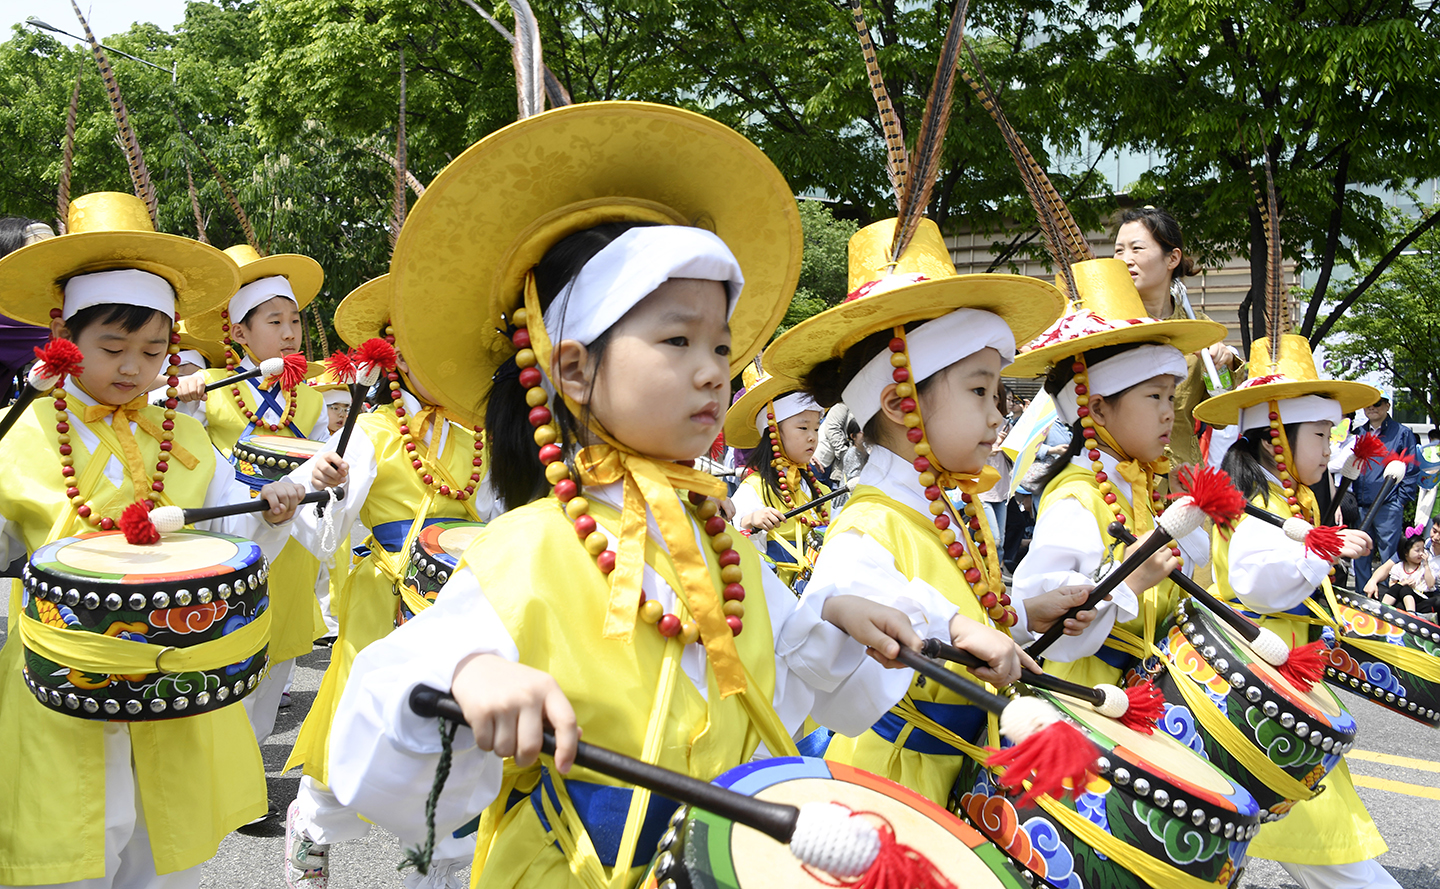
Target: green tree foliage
x: 824, y: 269
x: 1394, y: 327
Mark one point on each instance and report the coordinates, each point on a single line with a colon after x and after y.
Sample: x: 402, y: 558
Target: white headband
x: 257, y: 292
x: 337, y: 396
x: 629, y: 269
x: 1119, y: 372
x: 119, y: 287
x: 785, y: 408
x: 1301, y: 409
x: 190, y: 356
x: 933, y: 346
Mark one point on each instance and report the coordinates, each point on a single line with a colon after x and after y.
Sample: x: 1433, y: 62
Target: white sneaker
x: 444, y: 873
x: 307, y: 863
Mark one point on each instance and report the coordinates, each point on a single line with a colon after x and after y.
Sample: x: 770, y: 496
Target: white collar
x: 895, y: 477
x: 1108, y: 461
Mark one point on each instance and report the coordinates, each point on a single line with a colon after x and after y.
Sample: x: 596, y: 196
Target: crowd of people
x: 523, y: 506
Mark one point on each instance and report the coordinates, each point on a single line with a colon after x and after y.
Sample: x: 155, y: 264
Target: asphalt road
x: 1403, y: 796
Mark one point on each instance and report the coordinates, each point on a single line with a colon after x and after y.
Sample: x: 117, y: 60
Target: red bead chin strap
x: 408, y: 438
x: 973, y: 547
x: 577, y: 508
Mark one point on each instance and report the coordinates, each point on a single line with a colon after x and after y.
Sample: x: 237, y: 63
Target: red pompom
x: 294, y: 372
x: 1324, y: 542
x: 1052, y: 758
x: 1369, y: 451
x: 135, y: 523
x: 61, y: 358
x: 1212, y: 491
x: 1146, y: 707
x: 1305, y: 665
x: 341, y: 366
x: 375, y: 352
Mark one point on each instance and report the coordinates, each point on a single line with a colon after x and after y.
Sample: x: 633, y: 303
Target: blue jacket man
x: 1390, y: 515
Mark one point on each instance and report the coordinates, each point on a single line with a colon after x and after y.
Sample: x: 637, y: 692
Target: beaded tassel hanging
x: 973, y: 547
x: 407, y: 437
x: 577, y: 508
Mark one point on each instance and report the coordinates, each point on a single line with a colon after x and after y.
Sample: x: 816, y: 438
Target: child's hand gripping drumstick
x: 53, y: 361
x: 1302, y: 667
x: 270, y: 367
x: 823, y: 835
x: 143, y: 525
x: 1137, y: 707
x: 1208, y: 492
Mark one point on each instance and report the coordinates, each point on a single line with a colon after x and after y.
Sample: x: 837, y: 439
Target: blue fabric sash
x: 602, y: 809
x: 391, y: 535
x: 962, y: 719
x: 265, y: 399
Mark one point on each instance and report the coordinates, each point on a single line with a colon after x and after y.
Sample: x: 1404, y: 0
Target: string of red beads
x: 418, y: 462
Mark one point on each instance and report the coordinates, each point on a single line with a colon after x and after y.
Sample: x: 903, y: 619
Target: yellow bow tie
x: 971, y: 483
x: 1140, y: 476
x: 123, y: 415
x: 655, y: 484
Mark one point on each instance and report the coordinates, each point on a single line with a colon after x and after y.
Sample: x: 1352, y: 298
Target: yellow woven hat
x: 922, y: 285
x: 469, y: 243
x: 1110, y: 313
x: 108, y: 231
x: 321, y: 379
x: 761, y: 388
x: 213, y: 350
x: 303, y: 273
x: 364, y: 312
x: 1291, y: 376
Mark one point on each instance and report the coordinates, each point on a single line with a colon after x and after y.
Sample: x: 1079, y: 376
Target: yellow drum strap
x: 654, y: 736
x: 94, y: 653
x: 413, y: 600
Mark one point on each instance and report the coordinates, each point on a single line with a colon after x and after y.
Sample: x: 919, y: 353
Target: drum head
x: 453, y: 540
x: 303, y: 448
x: 1319, y: 701
x: 177, y: 556
x: 1159, y: 753
x: 965, y: 857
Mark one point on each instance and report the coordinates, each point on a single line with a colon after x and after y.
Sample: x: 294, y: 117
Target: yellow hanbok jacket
x: 1334, y: 827
x: 1078, y: 483
x: 296, y: 620
x: 397, y: 506
x: 895, y: 747
x: 199, y: 777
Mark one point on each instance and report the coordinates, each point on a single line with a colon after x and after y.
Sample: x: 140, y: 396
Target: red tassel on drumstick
x: 370, y: 360
x: 270, y: 369
x: 54, y: 361
x: 143, y: 525
x: 1369, y: 452
x: 827, y: 837
x: 1208, y: 493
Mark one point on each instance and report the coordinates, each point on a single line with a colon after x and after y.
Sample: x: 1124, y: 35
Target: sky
x: 106, y: 16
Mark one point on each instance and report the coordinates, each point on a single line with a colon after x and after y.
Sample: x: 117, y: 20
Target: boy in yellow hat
x: 262, y: 320
x: 146, y: 802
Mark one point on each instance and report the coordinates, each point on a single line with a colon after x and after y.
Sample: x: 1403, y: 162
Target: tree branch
x: 1425, y: 225
x: 1332, y: 241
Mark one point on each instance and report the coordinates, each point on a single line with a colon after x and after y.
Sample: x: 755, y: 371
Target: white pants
x: 128, y: 862
x: 262, y: 704
x: 1360, y: 875
x: 325, y: 820
x: 322, y: 592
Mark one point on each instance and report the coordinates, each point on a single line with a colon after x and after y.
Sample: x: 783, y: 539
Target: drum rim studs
x: 113, y: 602
x: 137, y: 601
x: 161, y: 600
x: 1197, y: 816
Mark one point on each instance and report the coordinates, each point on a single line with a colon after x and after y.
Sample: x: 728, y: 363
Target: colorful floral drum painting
x: 1304, y: 733
x: 433, y: 556
x: 1387, y: 655
x: 700, y: 850
x: 1157, y: 807
x: 189, y: 590
x: 262, y: 459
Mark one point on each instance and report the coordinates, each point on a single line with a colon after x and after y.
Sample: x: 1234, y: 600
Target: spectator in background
x: 830, y: 452
x: 1021, y: 513
x: 1429, y: 478
x: 856, y: 456
x: 1390, y: 515
x: 18, y: 341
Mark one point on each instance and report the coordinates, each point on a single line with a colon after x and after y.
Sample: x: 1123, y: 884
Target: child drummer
x: 77, y: 458
x: 260, y: 321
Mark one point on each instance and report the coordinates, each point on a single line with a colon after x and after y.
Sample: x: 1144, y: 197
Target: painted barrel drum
x: 190, y: 589
x: 262, y: 459
x: 701, y: 850
x: 1156, y: 800
x: 433, y: 556
x: 1303, y: 733
x: 1387, y: 655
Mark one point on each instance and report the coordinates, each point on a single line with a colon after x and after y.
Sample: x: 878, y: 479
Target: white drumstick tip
x: 1271, y: 648
x: 1181, y: 518
x: 1117, y: 703
x: 834, y: 839
x: 40, y: 379
x: 167, y: 519
x: 272, y: 367
x: 1296, y: 528
x: 1023, y: 717
x: 1395, y: 470
x: 1351, y: 469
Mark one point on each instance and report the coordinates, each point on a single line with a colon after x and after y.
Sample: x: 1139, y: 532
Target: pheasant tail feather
x: 925, y: 159
x: 529, y: 64
x: 139, y: 173
x: 195, y: 206
x: 897, y: 162
x: 230, y: 198
x: 67, y: 159
x: 397, y: 219
x: 1277, y: 302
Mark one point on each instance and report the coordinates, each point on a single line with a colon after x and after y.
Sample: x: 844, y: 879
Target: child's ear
x: 1097, y: 409
x: 58, y: 330
x: 571, y: 371
x: 890, y: 404
x: 237, y: 333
